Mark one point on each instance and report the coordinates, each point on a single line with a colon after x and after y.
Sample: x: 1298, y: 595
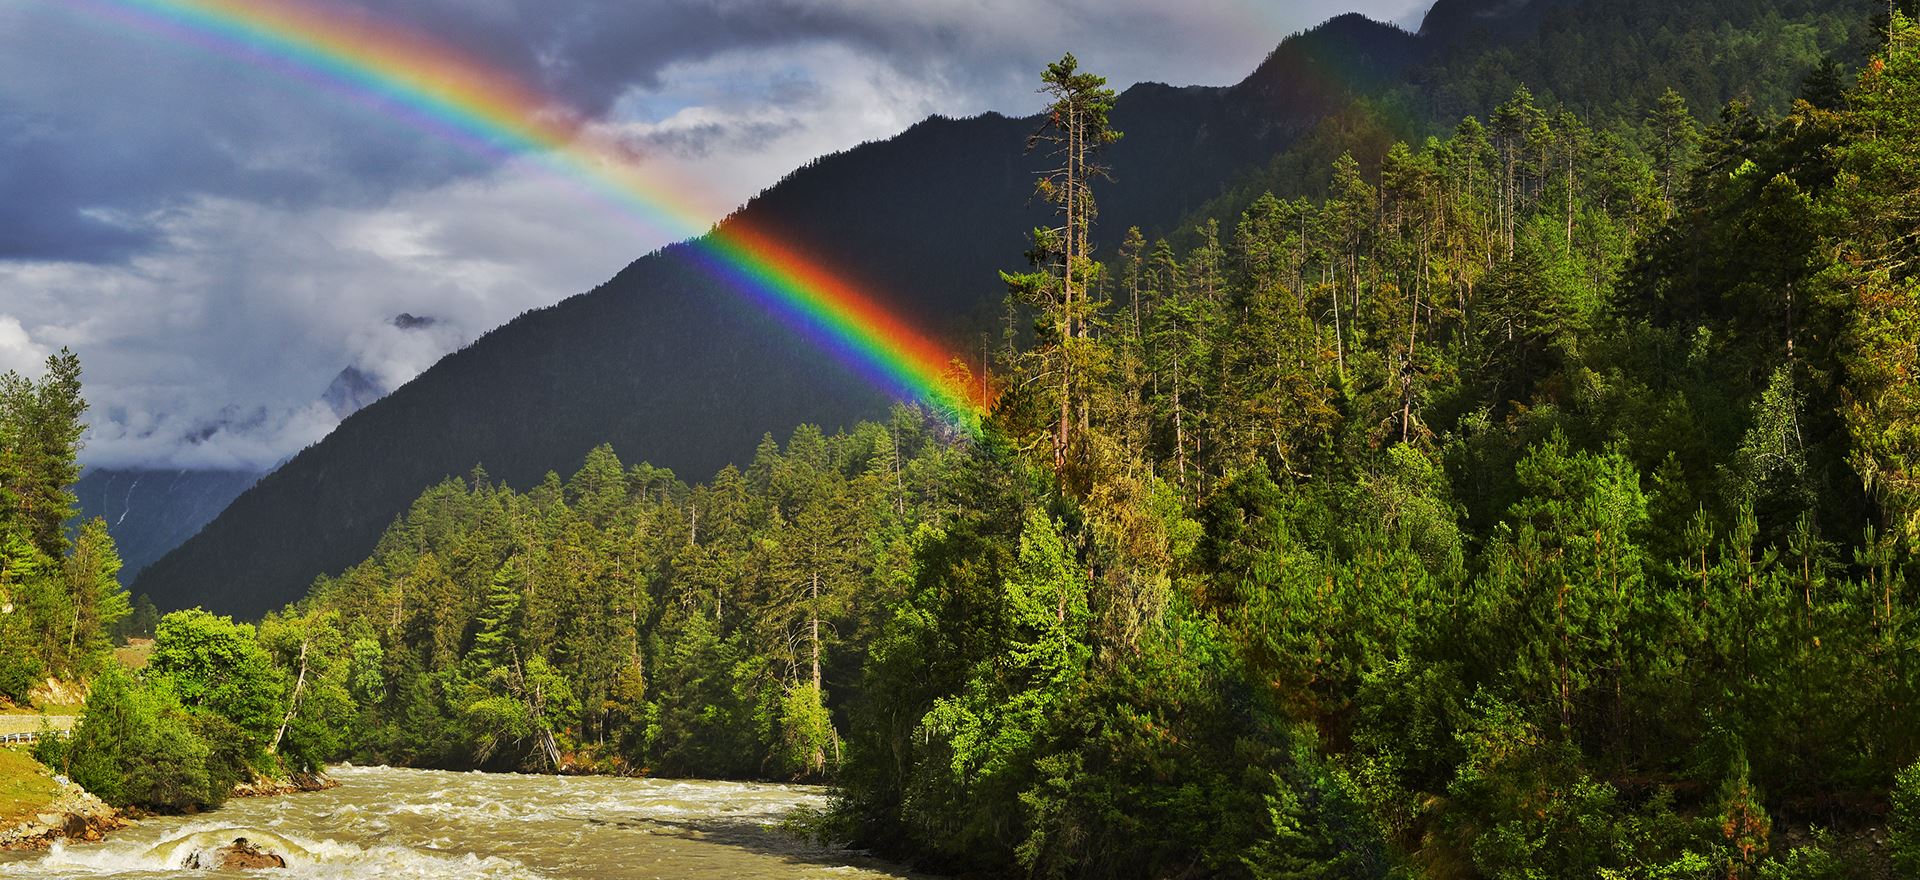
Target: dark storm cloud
x: 100, y: 125
x: 101, y: 129
x: 49, y: 197
x: 591, y: 51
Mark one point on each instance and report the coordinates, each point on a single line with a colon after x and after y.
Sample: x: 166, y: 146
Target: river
x: 426, y: 823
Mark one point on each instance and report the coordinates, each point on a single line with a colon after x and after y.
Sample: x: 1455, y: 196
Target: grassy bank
x: 26, y: 788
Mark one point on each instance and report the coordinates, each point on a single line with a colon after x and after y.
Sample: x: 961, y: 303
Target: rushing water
x: 383, y: 822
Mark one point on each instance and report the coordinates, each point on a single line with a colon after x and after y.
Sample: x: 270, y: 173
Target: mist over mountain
x: 350, y: 392
x: 673, y: 367
x: 151, y: 510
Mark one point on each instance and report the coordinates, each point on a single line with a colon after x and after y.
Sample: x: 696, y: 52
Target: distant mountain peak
x: 1321, y: 67
x: 352, y: 390
x: 408, y: 321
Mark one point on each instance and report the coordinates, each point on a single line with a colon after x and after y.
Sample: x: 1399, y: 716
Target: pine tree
x: 1674, y: 134
x: 91, y: 573
x: 40, y: 423
x: 495, y: 639
x: 1879, y: 282
x: 1064, y: 282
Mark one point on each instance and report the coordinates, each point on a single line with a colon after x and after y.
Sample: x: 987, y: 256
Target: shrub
x: 134, y: 746
x: 229, y: 753
x: 19, y: 672
x: 218, y: 667
x: 1903, y: 825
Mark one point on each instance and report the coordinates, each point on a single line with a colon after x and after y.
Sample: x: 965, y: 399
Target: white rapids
x: 383, y: 822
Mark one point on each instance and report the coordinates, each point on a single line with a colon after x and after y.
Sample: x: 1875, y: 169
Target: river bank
x: 38, y: 806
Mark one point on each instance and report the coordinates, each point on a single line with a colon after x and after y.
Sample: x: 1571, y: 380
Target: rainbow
x: 438, y: 88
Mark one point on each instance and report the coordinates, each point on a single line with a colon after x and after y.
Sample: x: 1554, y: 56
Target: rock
x: 74, y: 815
x: 236, y: 856
x: 268, y: 786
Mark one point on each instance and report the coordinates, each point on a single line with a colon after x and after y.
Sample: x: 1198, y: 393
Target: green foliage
x: 1903, y: 826
x: 320, y: 702
x: 1525, y: 477
x: 136, y: 745
x: 620, y: 619
x: 810, y: 746
x: 218, y: 667
x: 40, y: 429
x: 1318, y: 825
x: 997, y: 732
x: 59, y: 594
x: 90, y: 572
x: 203, y: 718
x: 1876, y: 277
x: 30, y: 619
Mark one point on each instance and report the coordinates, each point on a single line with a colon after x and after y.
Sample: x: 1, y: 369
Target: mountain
x: 1453, y: 22
x: 357, y: 386
x: 673, y: 367
x: 150, y: 512
x: 350, y: 392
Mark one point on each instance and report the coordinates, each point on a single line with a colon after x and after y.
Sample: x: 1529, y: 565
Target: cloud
x: 18, y: 353
x: 392, y: 352
x: 103, y: 129
x: 209, y: 351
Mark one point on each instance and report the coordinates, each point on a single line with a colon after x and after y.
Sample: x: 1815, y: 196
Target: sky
x: 217, y: 240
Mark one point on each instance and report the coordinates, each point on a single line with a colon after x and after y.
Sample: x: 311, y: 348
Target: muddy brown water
x: 383, y: 822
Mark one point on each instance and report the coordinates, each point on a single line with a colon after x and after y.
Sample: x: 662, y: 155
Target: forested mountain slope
x: 665, y: 361
x: 669, y: 366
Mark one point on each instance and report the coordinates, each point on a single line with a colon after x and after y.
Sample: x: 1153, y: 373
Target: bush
x: 1903, y: 825
x: 135, y: 746
x: 218, y: 667
x: 168, y: 770
x: 19, y: 672
x: 229, y: 753
x: 1816, y: 861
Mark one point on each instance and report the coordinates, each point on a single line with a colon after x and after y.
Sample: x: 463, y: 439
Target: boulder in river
x: 236, y: 856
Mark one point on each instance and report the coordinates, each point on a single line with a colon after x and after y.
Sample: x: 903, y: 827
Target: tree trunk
x: 819, y: 691
x: 293, y: 703
x: 814, y: 615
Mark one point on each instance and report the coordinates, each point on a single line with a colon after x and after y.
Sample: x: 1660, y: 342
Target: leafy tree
x: 135, y: 746
x: 218, y: 667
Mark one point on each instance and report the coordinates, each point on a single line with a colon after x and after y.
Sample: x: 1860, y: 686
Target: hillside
x: 926, y: 218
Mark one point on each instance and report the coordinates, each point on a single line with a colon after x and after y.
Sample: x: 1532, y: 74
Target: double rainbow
x: 438, y: 88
